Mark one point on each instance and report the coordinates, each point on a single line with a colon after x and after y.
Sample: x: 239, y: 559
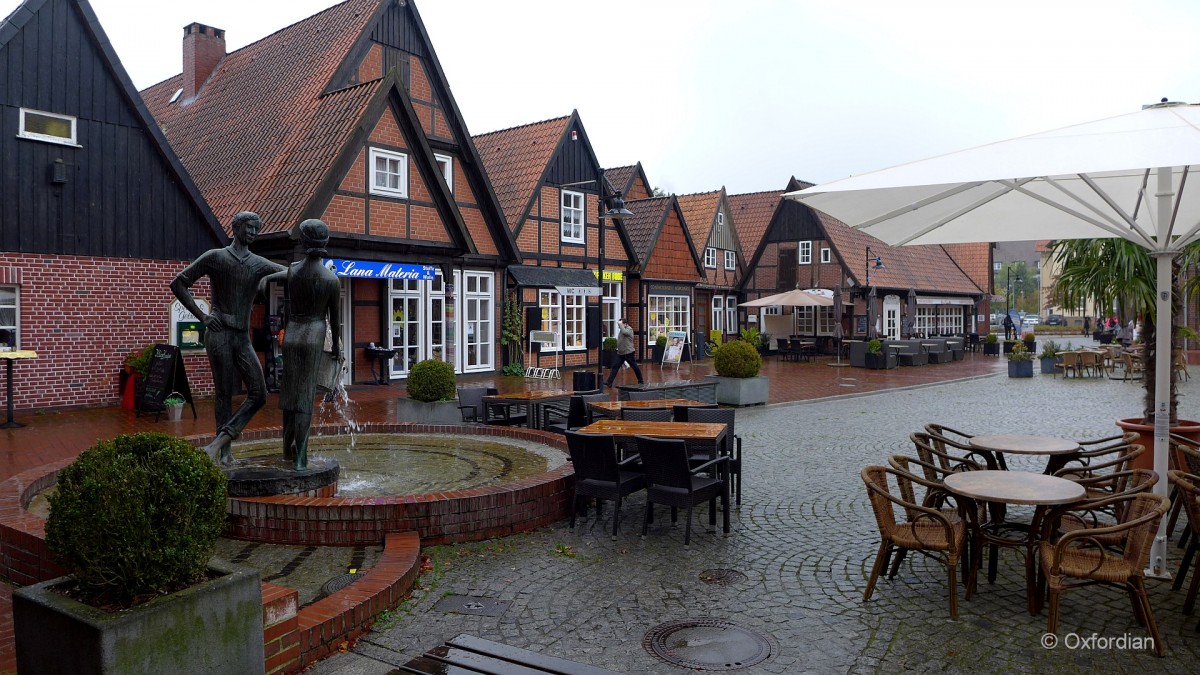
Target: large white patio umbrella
x: 794, y: 298
x: 1124, y: 176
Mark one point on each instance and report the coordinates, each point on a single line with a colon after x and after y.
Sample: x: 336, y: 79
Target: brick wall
x: 83, y: 315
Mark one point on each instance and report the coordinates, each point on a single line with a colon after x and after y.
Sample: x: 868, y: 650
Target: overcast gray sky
x: 746, y: 93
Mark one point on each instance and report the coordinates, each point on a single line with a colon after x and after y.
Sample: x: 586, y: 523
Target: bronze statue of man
x: 313, y: 297
x: 234, y: 273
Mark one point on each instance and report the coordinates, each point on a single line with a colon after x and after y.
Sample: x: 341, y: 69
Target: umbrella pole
x: 1162, y: 363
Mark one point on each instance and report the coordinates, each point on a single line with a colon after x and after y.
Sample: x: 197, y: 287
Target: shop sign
x: 361, y: 269
x: 611, y: 275
x: 187, y: 331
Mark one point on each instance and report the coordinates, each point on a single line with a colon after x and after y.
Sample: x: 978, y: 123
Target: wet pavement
x: 791, y: 572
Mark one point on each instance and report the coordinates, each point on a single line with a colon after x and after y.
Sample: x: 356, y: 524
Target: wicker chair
x: 1107, y: 459
x: 646, y: 414
x: 728, y: 417
x: 935, y: 450
x: 598, y: 473
x: 473, y: 409
x: 561, y: 421
x: 1188, y: 488
x: 681, y: 411
x: 1078, y: 555
x: 671, y: 481
x: 1105, y: 486
x: 635, y: 395
x: 930, y: 533
x: 1185, y: 456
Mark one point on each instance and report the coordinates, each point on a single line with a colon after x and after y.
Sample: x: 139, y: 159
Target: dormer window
x: 710, y: 258
x: 446, y: 164
x: 50, y: 127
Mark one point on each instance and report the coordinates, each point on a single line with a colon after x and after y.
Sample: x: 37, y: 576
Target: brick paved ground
x: 804, y: 537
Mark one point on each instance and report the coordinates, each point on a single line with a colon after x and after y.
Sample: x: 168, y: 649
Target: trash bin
x: 583, y: 380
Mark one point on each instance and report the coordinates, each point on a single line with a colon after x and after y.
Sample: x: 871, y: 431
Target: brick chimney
x: 203, y: 49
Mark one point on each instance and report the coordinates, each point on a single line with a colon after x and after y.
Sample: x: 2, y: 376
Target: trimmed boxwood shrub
x: 431, y: 380
x: 136, y: 516
x: 737, y: 359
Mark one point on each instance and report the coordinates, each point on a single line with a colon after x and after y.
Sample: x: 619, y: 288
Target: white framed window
x: 720, y: 219
x: 666, y: 313
x: 805, y: 320
x: 804, y: 253
x: 730, y: 260
x: 574, y: 322
x: 10, y: 305
x: 37, y: 125
x: 826, y: 255
x: 718, y: 313
x: 772, y: 310
x: 446, y: 164
x: 479, y: 321
x: 389, y: 173
x: 731, y: 322
x: 572, y: 216
x: 612, y: 306
x: 825, y: 321
x: 710, y: 257
x: 550, y: 305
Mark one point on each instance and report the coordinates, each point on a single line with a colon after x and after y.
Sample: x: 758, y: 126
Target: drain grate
x: 466, y: 604
x: 722, y: 577
x: 339, y: 582
x: 707, y: 644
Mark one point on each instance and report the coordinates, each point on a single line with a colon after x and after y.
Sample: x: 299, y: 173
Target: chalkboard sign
x: 166, y: 377
x: 860, y: 327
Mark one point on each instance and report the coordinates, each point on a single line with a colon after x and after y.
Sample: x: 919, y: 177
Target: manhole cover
x: 466, y: 604
x: 339, y: 582
x: 722, y: 577
x: 707, y: 644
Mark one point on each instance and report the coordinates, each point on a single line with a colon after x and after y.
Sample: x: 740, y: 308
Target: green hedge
x: 431, y: 380
x: 737, y: 359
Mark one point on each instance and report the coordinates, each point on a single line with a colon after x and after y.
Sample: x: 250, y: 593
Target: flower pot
x: 1185, y: 428
x: 610, y: 357
x: 1047, y: 365
x: 741, y: 390
x: 880, y: 361
x: 1009, y: 344
x: 991, y: 348
x: 656, y: 353
x: 174, y: 412
x: 215, y: 626
x: 1020, y: 368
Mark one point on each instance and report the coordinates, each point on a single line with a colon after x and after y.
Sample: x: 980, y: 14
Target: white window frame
x: 22, y: 132
x: 720, y: 219
x: 718, y: 313
x: 825, y: 321
x: 731, y: 322
x: 730, y: 260
x: 612, y: 291
x: 574, y: 335
x: 550, y: 304
x: 572, y: 216
x: 446, y: 164
x: 805, y: 320
x: 401, y: 159
x: 710, y: 258
x: 804, y: 253
x: 665, y: 313
x: 15, y: 326
x: 826, y: 255
x: 478, y: 292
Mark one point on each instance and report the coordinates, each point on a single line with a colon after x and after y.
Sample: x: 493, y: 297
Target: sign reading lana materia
x: 361, y: 269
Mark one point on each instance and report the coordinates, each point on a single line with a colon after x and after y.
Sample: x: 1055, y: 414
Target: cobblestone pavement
x: 805, y: 538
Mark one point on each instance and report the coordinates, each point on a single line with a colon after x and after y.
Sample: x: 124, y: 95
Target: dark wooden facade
x: 119, y: 191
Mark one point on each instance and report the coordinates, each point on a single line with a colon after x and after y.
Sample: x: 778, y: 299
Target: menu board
x: 167, y: 376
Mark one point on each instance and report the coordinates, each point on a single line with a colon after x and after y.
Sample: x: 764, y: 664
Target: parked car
x: 1030, y: 320
x: 1055, y: 320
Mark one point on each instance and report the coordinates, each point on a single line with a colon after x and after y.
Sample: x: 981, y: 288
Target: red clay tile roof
x: 751, y: 214
x: 515, y: 160
x: 699, y: 214
x: 621, y: 177
x: 260, y: 134
x: 927, y: 269
x: 643, y: 226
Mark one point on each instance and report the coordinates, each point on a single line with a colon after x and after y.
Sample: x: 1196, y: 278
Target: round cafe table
x: 1009, y: 487
x: 1058, y: 451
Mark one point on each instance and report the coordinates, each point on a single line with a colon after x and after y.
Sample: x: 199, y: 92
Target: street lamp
x: 878, y: 265
x: 616, y: 212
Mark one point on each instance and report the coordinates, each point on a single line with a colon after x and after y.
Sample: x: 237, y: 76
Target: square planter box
x: 1047, y: 366
x: 741, y: 390
x: 1020, y: 368
x: 436, y: 412
x: 212, y: 627
x: 881, y: 361
x: 991, y: 348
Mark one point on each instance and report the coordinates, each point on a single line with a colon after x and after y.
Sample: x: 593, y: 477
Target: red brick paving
x: 54, y: 436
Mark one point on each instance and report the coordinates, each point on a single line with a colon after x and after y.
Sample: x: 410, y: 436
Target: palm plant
x: 1118, y: 273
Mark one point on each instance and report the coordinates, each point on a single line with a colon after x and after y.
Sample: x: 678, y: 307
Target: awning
x: 935, y: 300
x: 364, y: 269
x: 568, y: 281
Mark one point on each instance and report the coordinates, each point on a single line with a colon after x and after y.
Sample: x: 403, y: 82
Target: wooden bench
x: 467, y: 654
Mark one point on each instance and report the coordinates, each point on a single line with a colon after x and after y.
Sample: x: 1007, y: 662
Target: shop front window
x: 666, y: 313
x: 479, y: 321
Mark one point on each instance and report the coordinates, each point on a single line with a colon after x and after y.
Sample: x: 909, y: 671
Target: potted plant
x: 660, y: 346
x: 760, y: 341
x: 609, y: 356
x: 133, y: 376
x: 1050, y: 351
x: 991, y: 344
x: 511, y: 329
x: 135, y: 521
x: 1020, y: 361
x: 174, y: 404
x: 431, y: 394
x: 1030, y: 341
x: 876, y: 358
x: 738, y: 383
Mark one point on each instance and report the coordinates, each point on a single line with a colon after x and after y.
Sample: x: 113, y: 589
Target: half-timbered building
x: 712, y: 231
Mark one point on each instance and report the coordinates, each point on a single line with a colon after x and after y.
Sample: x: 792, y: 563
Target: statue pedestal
x: 269, y: 475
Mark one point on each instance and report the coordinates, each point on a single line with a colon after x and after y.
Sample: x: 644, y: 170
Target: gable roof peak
x: 526, y: 125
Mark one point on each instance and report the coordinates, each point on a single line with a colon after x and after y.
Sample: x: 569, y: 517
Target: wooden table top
x: 686, y: 430
x: 19, y: 354
x: 1025, y: 444
x: 618, y: 406
x: 1014, y: 487
x: 534, y: 395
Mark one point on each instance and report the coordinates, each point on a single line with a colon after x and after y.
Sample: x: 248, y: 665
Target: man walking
x: 625, y: 352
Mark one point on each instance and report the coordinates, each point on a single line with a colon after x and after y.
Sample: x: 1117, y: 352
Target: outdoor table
x: 613, y: 408
x: 1059, y: 451
x: 1009, y: 487
x: 10, y: 357
x: 709, y: 434
x: 530, y: 399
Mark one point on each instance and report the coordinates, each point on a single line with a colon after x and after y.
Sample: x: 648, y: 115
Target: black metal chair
x: 561, y: 421
x: 646, y: 414
x: 681, y: 411
x: 598, y: 474
x: 672, y: 482
x: 725, y: 416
